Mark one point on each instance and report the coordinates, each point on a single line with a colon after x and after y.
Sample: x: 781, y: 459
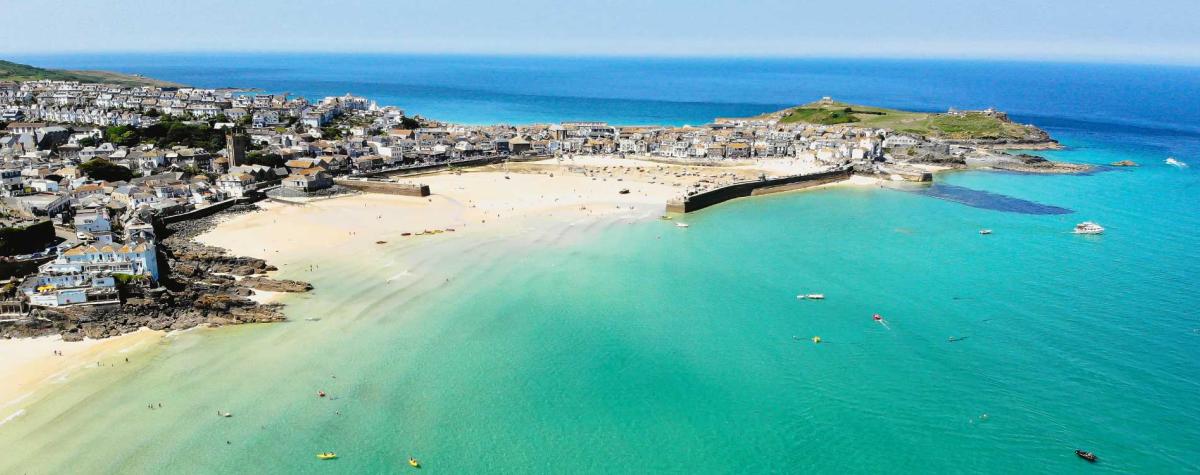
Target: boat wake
x: 987, y: 200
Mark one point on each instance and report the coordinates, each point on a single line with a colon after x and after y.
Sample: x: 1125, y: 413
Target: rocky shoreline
x: 203, y: 286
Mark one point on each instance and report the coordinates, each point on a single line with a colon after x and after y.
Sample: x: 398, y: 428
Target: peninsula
x: 10, y: 71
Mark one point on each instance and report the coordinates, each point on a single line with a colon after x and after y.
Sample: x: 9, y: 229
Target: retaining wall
x: 208, y: 210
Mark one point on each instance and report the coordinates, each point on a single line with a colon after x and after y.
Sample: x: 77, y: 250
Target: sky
x: 1148, y: 31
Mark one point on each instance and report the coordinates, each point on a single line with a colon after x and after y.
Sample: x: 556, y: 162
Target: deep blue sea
x: 644, y: 348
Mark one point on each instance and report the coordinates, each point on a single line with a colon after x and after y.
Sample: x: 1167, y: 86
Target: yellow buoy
x: 816, y: 339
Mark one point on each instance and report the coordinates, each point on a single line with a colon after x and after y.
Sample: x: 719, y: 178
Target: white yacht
x: 1175, y: 163
x: 681, y: 225
x: 1088, y: 227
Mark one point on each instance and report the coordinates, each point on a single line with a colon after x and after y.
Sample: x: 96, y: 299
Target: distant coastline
x: 10, y: 71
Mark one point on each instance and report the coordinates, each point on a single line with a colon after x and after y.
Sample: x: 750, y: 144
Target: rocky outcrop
x: 1026, y: 163
x: 272, y: 285
x: 197, y: 288
x: 1124, y: 163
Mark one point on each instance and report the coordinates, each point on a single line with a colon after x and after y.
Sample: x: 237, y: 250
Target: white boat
x: 681, y: 225
x: 1175, y: 163
x: 1088, y: 227
x: 811, y: 296
x: 985, y: 231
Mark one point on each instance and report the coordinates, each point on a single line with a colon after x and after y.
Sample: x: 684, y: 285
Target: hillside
x: 966, y: 126
x: 10, y: 71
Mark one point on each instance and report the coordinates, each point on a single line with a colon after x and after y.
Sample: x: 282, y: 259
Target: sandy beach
x: 465, y: 201
x: 27, y: 365
x: 468, y: 200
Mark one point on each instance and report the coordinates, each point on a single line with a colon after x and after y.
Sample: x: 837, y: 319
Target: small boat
x: 380, y: 242
x: 320, y: 393
x: 664, y: 217
x: 681, y: 225
x: 414, y: 463
x: 816, y: 339
x: 1175, y: 163
x: 624, y: 191
x: 326, y: 455
x: 406, y: 234
x: 1088, y: 227
x: 225, y: 414
x: 811, y: 296
x: 1090, y: 457
x: 985, y: 231
x: 312, y: 319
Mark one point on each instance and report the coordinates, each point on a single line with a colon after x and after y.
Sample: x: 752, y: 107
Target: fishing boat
x: 985, y: 231
x: 1090, y: 457
x: 681, y: 225
x: 414, y: 463
x: 326, y: 455
x: 1088, y: 227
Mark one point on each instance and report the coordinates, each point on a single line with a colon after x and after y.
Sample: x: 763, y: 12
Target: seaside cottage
x: 308, y: 179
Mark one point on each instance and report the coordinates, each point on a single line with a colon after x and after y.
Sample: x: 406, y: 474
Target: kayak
x: 326, y: 455
x: 414, y: 463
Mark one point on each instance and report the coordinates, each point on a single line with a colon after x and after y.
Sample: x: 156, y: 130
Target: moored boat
x: 1090, y: 457
x: 681, y: 225
x: 326, y: 455
x: 985, y: 231
x: 1088, y: 227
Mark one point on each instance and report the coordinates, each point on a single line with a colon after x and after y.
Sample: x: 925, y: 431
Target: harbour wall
x: 705, y: 199
x: 384, y: 187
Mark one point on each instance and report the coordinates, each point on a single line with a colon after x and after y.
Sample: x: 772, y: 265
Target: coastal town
x: 95, y: 175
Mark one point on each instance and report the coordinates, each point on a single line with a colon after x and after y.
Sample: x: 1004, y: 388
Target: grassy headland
x: 965, y: 126
x: 10, y: 71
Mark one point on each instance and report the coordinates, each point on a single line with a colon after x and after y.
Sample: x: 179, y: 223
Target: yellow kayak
x: 326, y: 455
x: 414, y: 463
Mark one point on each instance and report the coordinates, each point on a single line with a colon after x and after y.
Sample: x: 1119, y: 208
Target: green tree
x: 408, y: 123
x: 266, y: 159
x: 331, y: 133
x: 101, y: 169
x: 122, y: 135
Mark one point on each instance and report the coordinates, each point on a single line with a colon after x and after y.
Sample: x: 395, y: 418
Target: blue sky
x: 1092, y: 30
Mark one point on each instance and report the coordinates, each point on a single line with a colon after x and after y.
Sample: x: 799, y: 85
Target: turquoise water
x: 612, y: 346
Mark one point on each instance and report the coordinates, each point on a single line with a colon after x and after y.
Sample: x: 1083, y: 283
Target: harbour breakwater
x: 384, y: 186
x: 712, y: 197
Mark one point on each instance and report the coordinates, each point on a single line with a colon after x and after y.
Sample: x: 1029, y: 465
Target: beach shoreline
x: 30, y: 365
x: 464, y: 201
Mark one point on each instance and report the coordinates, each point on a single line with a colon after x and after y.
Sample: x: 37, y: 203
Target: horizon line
x: 1044, y: 59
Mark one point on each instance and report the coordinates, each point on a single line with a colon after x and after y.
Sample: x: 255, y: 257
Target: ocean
x: 637, y: 347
